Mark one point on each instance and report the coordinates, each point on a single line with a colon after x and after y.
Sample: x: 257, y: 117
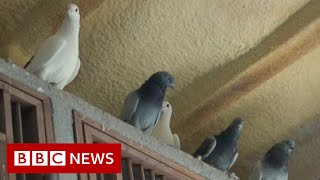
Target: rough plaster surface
x: 202, y: 43
x: 187, y: 38
x: 63, y: 104
x: 286, y: 106
x: 122, y: 39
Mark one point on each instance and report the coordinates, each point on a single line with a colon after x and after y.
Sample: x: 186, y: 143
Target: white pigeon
x: 57, y: 61
x: 162, y: 129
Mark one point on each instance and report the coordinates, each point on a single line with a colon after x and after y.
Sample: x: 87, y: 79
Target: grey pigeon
x: 225, y: 152
x: 142, y: 107
x: 56, y: 60
x: 205, y: 148
x: 274, y: 164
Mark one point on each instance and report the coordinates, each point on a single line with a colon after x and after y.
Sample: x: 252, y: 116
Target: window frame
x: 87, y: 130
x: 42, y: 121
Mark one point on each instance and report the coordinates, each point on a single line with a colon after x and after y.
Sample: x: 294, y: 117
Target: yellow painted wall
x: 122, y: 42
x: 286, y: 106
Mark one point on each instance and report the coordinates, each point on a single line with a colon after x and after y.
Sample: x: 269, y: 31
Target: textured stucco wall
x: 286, y: 106
x: 201, y: 42
x: 122, y: 39
x: 63, y: 104
x: 122, y: 43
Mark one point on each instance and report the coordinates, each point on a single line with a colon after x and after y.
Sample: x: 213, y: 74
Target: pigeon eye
x: 167, y: 105
x: 76, y: 10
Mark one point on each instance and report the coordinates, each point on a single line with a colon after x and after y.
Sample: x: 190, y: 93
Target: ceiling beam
x: 291, y: 50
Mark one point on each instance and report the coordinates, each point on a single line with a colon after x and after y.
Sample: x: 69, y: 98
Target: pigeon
x: 57, y: 61
x: 274, y: 164
x: 221, y: 151
x: 141, y: 107
x: 205, y: 148
x: 162, y: 129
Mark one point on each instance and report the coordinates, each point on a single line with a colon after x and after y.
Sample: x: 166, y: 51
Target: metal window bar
x: 138, y: 163
x: 25, y: 117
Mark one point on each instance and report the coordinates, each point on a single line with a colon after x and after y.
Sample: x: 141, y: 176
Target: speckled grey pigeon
x: 274, y: 164
x: 142, y: 107
x: 205, y: 148
x: 225, y: 152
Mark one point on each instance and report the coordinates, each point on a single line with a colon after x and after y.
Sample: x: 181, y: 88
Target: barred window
x: 25, y: 117
x: 138, y: 163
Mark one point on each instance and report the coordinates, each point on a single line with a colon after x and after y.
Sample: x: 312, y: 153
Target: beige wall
x: 286, y: 106
x: 205, y: 44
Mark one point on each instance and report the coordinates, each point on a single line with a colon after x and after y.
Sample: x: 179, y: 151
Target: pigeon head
x: 73, y: 13
x: 286, y: 146
x: 71, y: 23
x: 234, y: 129
x: 163, y: 79
x: 237, y: 124
x: 166, y: 109
x: 279, y: 154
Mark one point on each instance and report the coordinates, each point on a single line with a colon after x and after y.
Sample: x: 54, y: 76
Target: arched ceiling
x: 254, y: 59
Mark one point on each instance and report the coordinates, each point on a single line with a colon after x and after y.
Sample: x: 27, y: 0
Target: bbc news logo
x: 39, y: 158
x: 64, y: 158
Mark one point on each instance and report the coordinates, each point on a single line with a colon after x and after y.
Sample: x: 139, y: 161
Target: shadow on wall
x: 12, y: 53
x: 292, y: 26
x: 308, y: 140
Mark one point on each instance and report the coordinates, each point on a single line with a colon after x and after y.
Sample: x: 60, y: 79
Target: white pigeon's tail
x: 176, y: 141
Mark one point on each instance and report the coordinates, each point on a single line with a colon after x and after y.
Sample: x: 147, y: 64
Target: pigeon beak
x: 171, y: 86
x: 292, y: 144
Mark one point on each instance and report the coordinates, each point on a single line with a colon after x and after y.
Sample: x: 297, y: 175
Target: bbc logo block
x: 39, y: 158
x: 22, y: 158
x: 57, y: 158
x: 64, y: 158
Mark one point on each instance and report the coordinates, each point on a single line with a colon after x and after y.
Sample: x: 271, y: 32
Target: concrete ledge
x: 63, y: 103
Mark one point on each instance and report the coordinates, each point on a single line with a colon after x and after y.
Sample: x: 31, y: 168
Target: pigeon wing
x: 206, y: 147
x: 46, y: 53
x: 129, y: 107
x: 158, y: 117
x: 75, y: 72
x: 149, y: 129
x: 176, y: 140
x: 256, y: 172
x: 27, y: 64
x: 233, y: 160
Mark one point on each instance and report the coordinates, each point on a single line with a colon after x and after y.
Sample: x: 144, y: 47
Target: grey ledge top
x: 63, y: 103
